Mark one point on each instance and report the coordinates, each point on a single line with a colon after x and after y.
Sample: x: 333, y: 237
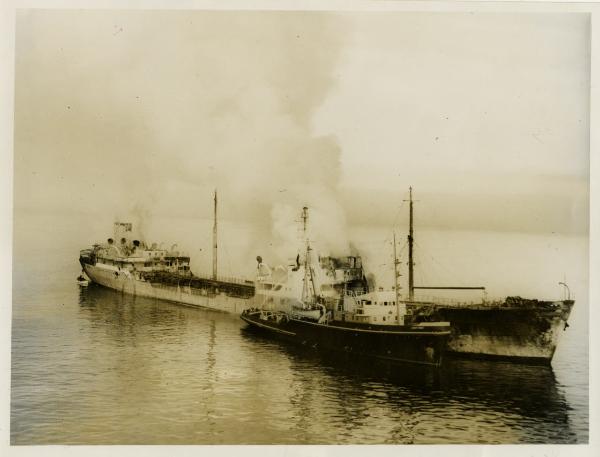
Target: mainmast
x: 411, y: 286
x: 214, y: 274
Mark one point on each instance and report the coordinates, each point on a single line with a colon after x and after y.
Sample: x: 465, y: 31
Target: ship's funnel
x: 122, y: 229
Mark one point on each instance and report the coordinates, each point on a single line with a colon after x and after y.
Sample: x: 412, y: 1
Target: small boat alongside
x: 373, y: 325
x: 422, y: 343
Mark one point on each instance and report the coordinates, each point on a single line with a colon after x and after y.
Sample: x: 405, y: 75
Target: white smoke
x: 250, y: 137
x: 153, y: 110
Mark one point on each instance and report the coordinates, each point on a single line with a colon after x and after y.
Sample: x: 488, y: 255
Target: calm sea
x: 92, y: 366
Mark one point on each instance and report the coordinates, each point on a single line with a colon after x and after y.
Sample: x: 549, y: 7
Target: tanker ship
x: 514, y: 328
x: 130, y: 266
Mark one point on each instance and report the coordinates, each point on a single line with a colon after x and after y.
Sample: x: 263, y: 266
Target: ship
x: 292, y: 306
x: 513, y: 328
x: 129, y: 265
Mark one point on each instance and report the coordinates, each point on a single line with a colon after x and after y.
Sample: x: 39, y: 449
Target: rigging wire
x: 450, y: 272
x: 398, y: 212
x: 420, y: 272
x: 436, y: 262
x: 402, y: 249
x: 453, y: 277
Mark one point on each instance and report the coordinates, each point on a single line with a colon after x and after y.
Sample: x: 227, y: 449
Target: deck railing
x: 434, y: 300
x: 481, y: 303
x: 230, y: 279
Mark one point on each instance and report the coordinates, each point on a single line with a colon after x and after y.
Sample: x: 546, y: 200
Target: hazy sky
x: 124, y: 114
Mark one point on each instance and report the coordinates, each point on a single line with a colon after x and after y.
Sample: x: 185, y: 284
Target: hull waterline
x: 183, y: 295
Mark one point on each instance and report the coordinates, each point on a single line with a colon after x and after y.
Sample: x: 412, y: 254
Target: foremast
x: 214, y: 269
x: 396, y: 286
x: 309, y: 291
x: 411, y: 285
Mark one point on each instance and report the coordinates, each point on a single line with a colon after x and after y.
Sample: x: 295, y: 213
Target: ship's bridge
x: 377, y: 307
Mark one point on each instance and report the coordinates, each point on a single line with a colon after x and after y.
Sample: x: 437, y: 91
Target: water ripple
x: 92, y: 366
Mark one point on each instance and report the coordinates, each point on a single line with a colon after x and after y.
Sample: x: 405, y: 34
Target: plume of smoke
x: 161, y: 107
x: 141, y: 217
x: 250, y: 137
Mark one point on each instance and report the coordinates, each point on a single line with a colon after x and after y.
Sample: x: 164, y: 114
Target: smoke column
x: 139, y: 115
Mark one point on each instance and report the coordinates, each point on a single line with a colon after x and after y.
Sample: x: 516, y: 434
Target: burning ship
x: 129, y: 265
x: 293, y: 305
x: 515, y: 328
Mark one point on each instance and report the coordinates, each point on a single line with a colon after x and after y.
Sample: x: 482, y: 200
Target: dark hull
x: 404, y: 344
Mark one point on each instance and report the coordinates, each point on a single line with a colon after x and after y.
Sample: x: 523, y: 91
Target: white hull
x: 179, y: 294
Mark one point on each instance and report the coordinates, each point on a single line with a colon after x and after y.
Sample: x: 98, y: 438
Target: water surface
x: 93, y: 366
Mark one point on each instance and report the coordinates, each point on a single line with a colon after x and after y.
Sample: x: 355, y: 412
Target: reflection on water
x: 480, y: 401
x: 94, y: 366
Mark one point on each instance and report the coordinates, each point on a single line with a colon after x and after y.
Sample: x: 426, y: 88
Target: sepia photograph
x: 300, y: 227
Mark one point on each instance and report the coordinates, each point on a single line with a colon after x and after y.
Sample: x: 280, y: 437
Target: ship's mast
x: 305, y: 223
x: 411, y: 286
x: 396, y: 288
x: 305, y: 282
x: 214, y: 274
x: 308, y: 274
